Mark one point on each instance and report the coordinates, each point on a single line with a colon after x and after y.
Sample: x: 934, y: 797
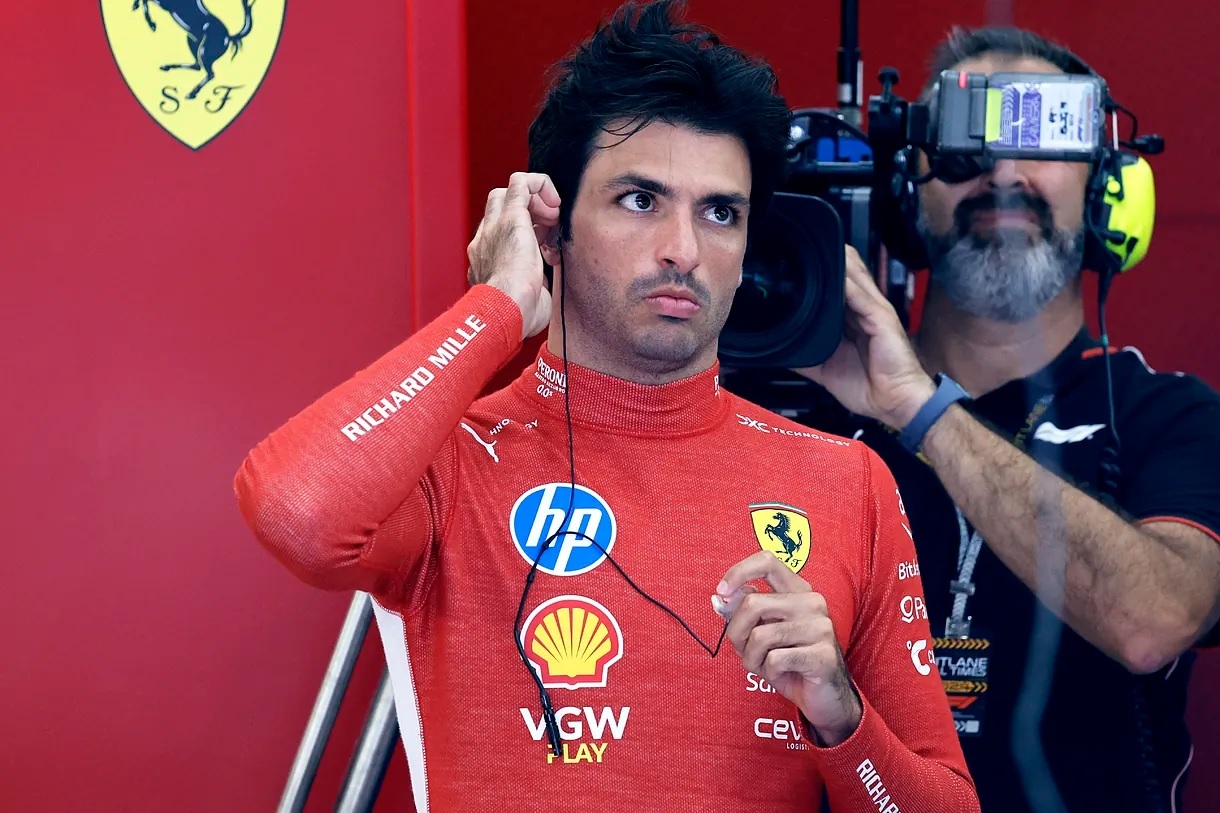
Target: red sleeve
x: 905, y: 755
x: 348, y: 493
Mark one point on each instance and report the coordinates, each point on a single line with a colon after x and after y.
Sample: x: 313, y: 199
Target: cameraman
x: 1007, y: 489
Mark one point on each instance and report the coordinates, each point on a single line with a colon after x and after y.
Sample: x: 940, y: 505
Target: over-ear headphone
x: 1119, y: 206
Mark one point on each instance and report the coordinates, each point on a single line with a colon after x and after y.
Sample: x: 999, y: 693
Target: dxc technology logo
x: 541, y: 512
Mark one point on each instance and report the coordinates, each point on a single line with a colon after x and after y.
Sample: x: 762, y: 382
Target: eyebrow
x: 637, y: 181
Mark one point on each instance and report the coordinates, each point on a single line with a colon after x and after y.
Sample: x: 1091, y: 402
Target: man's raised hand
x: 518, y: 221
x: 874, y: 371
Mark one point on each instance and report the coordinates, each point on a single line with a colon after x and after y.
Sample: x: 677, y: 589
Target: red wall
x: 163, y: 309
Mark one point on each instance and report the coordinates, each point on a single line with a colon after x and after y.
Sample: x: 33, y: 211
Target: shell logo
x: 572, y: 641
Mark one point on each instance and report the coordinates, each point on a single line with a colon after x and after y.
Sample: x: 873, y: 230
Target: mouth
x: 1010, y: 219
x: 1013, y: 212
x: 673, y: 302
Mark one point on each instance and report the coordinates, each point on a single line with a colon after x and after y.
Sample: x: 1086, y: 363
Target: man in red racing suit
x: 444, y: 506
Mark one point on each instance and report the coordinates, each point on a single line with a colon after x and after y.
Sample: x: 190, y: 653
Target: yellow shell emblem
x: 572, y: 642
x: 193, y: 65
x: 784, y: 531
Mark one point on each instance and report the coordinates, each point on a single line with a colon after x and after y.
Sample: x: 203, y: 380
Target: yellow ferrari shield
x: 193, y: 65
x: 784, y: 531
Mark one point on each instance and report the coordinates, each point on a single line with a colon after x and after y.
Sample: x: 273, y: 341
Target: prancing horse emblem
x: 193, y: 65
x: 784, y: 531
x: 779, y: 531
x: 206, y: 35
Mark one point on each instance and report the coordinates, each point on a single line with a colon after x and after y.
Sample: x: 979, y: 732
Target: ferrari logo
x: 784, y: 531
x: 193, y: 65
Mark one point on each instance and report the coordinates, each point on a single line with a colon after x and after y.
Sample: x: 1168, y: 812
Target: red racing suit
x: 400, y: 483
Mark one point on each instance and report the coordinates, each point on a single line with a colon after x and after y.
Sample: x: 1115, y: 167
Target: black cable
x: 1103, y: 290
x: 548, y: 710
x: 1108, y: 271
x: 1135, y: 122
x: 1109, y: 487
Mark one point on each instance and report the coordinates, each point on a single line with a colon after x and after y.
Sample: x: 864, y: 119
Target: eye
x: 636, y: 201
x: 724, y: 215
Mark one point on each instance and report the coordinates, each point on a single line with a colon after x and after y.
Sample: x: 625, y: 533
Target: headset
x: 1120, y: 196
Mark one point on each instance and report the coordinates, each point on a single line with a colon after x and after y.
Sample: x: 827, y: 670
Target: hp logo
x: 541, y: 512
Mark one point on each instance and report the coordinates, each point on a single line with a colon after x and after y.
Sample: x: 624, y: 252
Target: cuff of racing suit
x: 843, y: 766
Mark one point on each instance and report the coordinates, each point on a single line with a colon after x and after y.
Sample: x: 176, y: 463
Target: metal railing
x: 376, y: 744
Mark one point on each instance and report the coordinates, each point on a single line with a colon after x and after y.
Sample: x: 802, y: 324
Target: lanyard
x: 957, y: 625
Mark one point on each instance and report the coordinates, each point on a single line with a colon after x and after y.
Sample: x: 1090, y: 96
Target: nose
x: 678, y: 247
x: 1008, y: 176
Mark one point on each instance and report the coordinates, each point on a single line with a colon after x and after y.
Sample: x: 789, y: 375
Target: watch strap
x: 948, y: 392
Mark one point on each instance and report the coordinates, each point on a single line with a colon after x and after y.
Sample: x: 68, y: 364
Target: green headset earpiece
x: 1121, y: 205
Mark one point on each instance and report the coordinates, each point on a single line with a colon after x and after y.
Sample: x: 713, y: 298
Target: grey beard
x: 1007, y: 279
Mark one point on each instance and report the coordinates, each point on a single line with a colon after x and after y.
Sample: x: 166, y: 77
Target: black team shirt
x: 1041, y: 712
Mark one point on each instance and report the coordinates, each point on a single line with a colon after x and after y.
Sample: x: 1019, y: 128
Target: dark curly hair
x: 644, y: 66
x: 967, y: 43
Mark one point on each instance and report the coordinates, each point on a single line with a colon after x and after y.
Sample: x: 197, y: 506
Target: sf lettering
x: 171, y: 99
